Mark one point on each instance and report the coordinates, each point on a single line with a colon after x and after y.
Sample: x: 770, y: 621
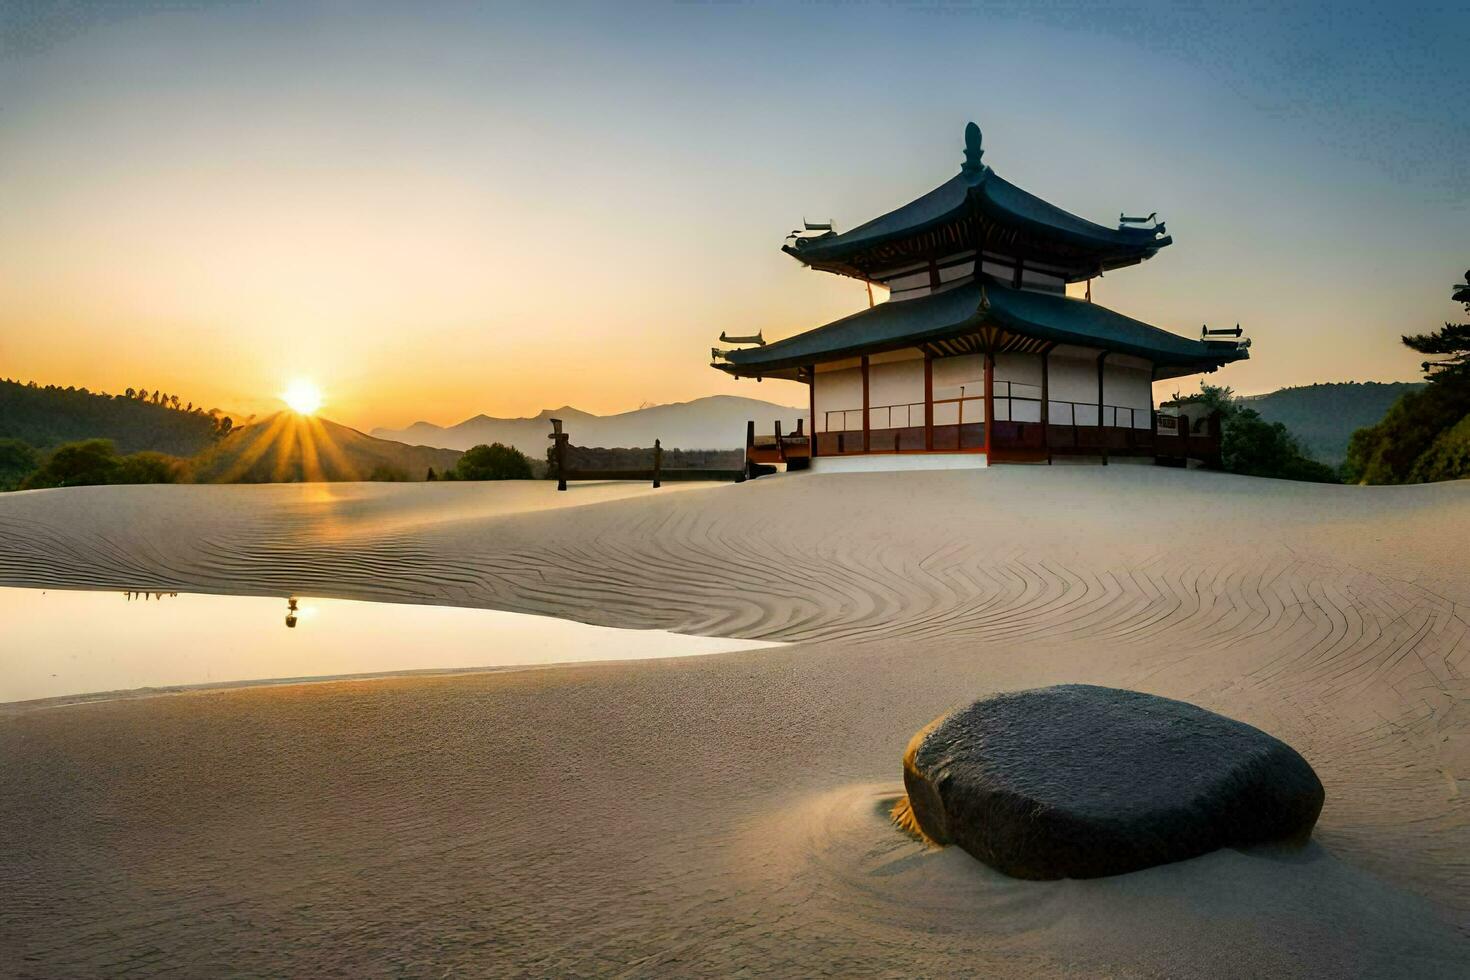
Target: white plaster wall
x: 905, y: 354
x: 1018, y: 410
x: 1072, y: 379
x: 888, y: 462
x: 1128, y: 386
x: 896, y: 383
x: 836, y: 390
x: 1020, y: 368
x: 1022, y: 374
x: 1129, y: 361
x: 950, y: 374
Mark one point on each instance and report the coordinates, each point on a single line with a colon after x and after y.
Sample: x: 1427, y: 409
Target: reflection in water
x: 60, y: 643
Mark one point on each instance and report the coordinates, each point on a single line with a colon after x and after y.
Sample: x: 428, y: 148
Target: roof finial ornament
x: 973, y: 152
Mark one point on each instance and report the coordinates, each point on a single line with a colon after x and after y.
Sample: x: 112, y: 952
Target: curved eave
x: 964, y: 309
x: 998, y: 200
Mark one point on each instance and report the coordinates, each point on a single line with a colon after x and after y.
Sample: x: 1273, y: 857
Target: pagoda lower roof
x: 970, y: 308
x: 977, y: 191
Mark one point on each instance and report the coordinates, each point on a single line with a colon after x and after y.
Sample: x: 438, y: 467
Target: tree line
x: 1425, y: 435
x: 496, y: 461
x: 1252, y: 446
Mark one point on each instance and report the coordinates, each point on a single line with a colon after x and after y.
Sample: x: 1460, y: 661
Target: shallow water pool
x: 62, y: 643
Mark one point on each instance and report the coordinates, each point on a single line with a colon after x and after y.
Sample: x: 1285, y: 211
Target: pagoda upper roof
x: 996, y: 213
x: 968, y: 309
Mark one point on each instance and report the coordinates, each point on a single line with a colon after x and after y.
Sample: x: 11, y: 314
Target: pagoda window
x: 896, y: 401
x: 922, y: 278
x: 1036, y: 276
x: 837, y: 397
x: 1000, y: 268
x: 1017, y: 395
x: 910, y: 285
x: 959, y: 402
x: 1072, y: 387
x: 1042, y: 282
x: 958, y: 271
x: 1128, y: 392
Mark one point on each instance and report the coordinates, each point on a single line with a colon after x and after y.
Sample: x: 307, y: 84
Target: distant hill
x: 716, y: 422
x: 1324, y: 416
x: 287, y: 448
x: 48, y: 416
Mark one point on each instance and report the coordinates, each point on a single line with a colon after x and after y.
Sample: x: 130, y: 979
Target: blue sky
x: 444, y: 209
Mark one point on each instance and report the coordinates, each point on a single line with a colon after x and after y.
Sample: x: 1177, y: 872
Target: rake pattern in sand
x: 1333, y: 617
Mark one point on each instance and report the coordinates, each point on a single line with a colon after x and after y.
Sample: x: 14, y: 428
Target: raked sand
x: 725, y: 814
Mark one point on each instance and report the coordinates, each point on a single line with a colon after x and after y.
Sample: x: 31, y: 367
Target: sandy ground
x: 725, y: 814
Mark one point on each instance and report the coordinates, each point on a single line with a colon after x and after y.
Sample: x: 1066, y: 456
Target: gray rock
x: 1079, y: 781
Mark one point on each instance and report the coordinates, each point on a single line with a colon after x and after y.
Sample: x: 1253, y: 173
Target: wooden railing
x: 564, y: 471
x: 851, y: 419
x: 1073, y: 428
x: 1178, y: 440
x: 763, y: 452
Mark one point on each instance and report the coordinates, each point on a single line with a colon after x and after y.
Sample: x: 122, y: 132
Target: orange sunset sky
x: 501, y: 208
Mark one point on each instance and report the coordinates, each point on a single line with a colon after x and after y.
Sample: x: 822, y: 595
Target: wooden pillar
x: 749, y: 445
x: 811, y: 411
x: 865, y: 403
x: 989, y: 400
x: 1046, y: 405
x: 1101, y: 436
x: 928, y: 402
x: 780, y: 446
x: 658, y: 463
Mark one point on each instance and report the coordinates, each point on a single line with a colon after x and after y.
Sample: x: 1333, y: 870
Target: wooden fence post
x: 658, y: 462
x: 749, y: 444
x: 560, y: 446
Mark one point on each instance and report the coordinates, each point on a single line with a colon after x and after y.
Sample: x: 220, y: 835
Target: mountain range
x: 1323, y: 417
x: 289, y: 448
x: 715, y: 422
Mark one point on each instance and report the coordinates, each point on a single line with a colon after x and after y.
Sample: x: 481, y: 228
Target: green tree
x: 1254, y: 447
x: 76, y: 464
x: 92, y: 462
x: 1422, y: 436
x: 1251, y: 446
x: 17, y: 461
x: 1451, y: 342
x: 147, y: 467
x: 493, y: 462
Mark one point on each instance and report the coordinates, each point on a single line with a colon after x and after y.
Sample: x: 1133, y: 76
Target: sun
x: 303, y: 396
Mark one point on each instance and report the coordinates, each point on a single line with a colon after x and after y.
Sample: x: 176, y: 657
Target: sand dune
x: 726, y: 813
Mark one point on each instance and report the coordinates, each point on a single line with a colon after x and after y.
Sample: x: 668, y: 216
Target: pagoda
x: 978, y: 354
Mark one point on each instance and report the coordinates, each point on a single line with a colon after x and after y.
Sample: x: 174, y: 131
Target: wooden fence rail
x: 656, y: 474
